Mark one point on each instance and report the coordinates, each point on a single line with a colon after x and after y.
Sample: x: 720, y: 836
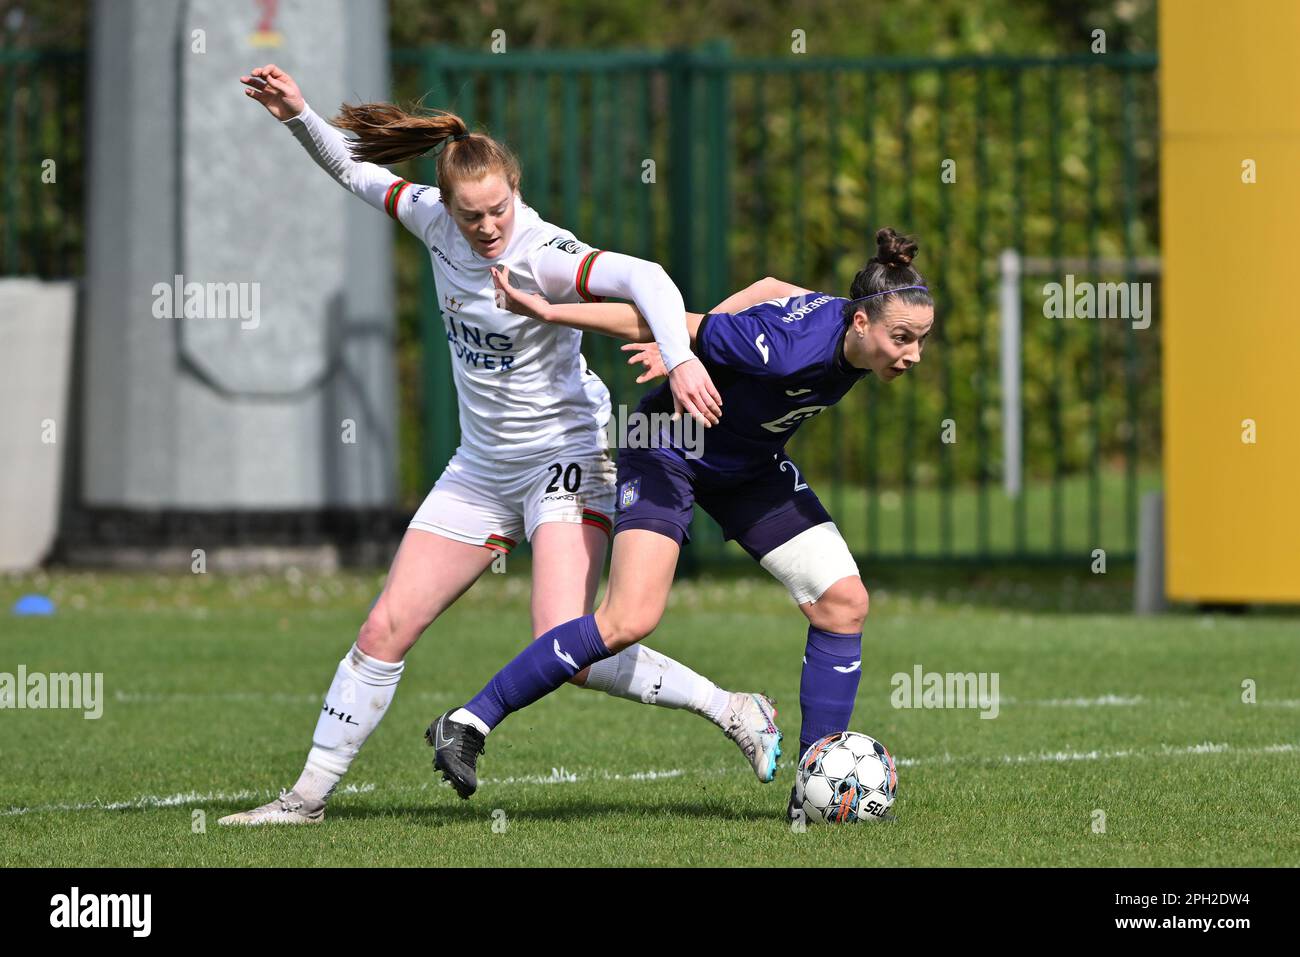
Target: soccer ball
x: 846, y: 778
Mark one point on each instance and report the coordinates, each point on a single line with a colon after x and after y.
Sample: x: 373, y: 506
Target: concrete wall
x: 36, y: 333
x: 189, y: 177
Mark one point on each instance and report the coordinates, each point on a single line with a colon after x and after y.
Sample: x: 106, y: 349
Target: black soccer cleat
x: 456, y: 749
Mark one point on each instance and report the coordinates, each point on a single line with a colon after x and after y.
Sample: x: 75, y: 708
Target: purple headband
x: 889, y: 292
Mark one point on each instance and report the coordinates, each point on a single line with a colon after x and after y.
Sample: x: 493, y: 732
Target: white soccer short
x: 495, y: 504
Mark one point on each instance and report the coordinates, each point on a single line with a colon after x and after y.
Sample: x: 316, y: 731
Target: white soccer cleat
x: 288, y: 808
x: 750, y: 721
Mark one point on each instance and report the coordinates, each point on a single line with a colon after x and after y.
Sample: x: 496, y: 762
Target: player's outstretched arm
x: 761, y: 291
x: 617, y: 319
x: 276, y: 90
x: 604, y: 273
x: 645, y: 353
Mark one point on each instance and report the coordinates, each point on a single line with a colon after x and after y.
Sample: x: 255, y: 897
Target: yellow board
x: 1230, y: 92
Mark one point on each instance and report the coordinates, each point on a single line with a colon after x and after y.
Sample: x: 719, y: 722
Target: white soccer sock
x: 358, y: 698
x: 641, y: 674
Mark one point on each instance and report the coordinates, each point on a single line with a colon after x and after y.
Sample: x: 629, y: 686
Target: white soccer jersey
x: 524, y: 387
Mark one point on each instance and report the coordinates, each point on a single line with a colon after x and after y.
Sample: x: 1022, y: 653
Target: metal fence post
x: 680, y: 170
x: 441, y: 422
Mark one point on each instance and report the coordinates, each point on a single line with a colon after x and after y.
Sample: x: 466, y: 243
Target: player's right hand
x: 694, y: 392
x: 275, y: 90
x: 515, y: 300
x: 648, y: 355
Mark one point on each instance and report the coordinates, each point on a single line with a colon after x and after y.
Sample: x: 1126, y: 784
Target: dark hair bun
x: 894, y: 250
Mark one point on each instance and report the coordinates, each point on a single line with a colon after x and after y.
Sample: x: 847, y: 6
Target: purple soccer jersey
x: 776, y: 365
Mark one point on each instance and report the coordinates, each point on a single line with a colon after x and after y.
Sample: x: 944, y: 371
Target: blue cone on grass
x: 33, y: 605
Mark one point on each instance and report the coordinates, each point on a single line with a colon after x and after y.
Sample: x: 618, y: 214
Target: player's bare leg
x: 428, y: 574
x: 567, y: 562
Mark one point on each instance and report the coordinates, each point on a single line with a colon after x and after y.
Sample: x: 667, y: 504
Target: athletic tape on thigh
x: 811, y: 562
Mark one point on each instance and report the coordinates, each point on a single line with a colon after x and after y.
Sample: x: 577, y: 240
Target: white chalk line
x: 1102, y: 701
x: 1099, y: 701
x: 1055, y: 757
x: 294, y: 697
x: 564, y: 776
x: 161, y: 801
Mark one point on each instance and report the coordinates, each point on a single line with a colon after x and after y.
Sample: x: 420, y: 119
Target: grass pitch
x: 1119, y: 742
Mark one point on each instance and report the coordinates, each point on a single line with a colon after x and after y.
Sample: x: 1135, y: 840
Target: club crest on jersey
x: 566, y: 245
x: 792, y: 418
x: 629, y: 492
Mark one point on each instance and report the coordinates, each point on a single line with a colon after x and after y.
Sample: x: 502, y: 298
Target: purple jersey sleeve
x: 759, y: 342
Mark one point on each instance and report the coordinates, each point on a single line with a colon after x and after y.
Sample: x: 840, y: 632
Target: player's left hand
x: 694, y: 392
x: 517, y: 301
x: 647, y: 354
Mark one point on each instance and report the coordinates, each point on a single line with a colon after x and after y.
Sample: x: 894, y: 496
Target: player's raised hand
x: 694, y: 393
x: 521, y: 303
x: 275, y: 90
x: 647, y: 354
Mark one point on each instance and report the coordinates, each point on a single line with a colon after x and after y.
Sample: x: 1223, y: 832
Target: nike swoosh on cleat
x: 441, y: 741
x: 567, y: 659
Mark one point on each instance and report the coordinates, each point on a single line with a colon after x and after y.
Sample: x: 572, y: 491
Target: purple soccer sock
x: 832, y: 668
x: 539, y: 669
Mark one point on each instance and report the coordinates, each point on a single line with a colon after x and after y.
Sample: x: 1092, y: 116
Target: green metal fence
x: 42, y: 132
x: 727, y: 169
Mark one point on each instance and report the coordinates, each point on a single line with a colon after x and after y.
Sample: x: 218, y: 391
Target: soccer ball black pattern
x: 846, y: 778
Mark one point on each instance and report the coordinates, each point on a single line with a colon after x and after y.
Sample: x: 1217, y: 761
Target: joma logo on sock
x: 930, y: 689
x: 103, y: 910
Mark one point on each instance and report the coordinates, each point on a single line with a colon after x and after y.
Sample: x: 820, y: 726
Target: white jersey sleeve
x: 412, y: 205
x: 568, y: 270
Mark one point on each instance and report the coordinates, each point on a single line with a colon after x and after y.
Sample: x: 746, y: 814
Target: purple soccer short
x: 760, y: 509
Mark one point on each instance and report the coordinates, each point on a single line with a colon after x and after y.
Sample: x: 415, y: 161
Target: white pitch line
x: 564, y: 776
x: 1054, y: 757
x: 155, y: 697
x: 1100, y: 701
x: 159, y: 801
x: 1104, y: 701
x: 1129, y: 701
